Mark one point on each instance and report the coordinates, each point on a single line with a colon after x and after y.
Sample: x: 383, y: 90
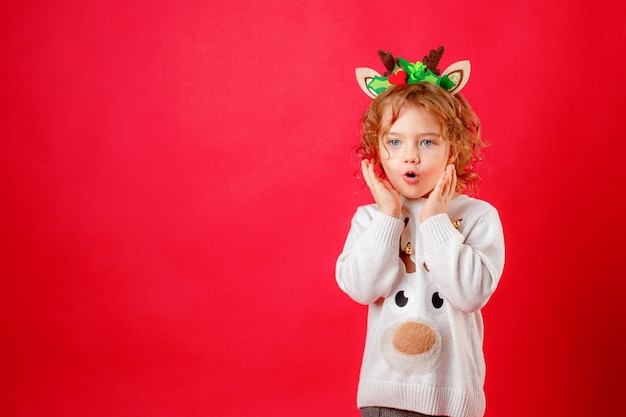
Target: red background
x: 177, y: 182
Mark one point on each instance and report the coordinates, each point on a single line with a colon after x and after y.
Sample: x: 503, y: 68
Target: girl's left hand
x: 439, y: 199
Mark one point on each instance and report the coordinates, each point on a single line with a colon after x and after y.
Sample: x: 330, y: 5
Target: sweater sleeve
x: 466, y: 267
x: 368, y: 267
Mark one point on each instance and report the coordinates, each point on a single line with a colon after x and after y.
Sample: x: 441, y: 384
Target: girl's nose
x: 411, y: 157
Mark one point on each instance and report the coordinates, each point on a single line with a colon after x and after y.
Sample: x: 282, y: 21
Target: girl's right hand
x: 386, y: 197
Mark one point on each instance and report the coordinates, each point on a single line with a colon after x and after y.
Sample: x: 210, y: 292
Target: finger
x: 447, y: 179
x: 451, y: 180
x: 374, y: 180
x: 369, y: 174
x: 388, y: 186
x: 366, y: 172
x: 441, y: 186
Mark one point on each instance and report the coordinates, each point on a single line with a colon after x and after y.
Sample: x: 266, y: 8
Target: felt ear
x: 364, y: 76
x: 459, y: 74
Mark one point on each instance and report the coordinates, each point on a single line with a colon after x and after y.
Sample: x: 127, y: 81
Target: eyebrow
x: 419, y: 135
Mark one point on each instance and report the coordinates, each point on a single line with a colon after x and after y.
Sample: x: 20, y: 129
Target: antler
x: 388, y: 61
x: 432, y: 60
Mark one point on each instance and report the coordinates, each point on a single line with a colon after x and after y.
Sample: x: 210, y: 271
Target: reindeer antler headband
x: 400, y: 72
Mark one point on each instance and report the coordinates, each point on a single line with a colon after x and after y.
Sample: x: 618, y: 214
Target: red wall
x: 177, y: 182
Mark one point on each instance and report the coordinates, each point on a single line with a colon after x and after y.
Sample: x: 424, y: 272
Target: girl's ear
x: 459, y: 74
x: 364, y: 76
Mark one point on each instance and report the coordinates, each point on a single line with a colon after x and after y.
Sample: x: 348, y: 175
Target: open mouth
x: 411, y: 177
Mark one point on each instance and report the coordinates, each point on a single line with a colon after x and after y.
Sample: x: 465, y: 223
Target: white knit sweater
x: 423, y: 349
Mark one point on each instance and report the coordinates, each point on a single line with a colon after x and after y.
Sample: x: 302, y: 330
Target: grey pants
x: 390, y: 412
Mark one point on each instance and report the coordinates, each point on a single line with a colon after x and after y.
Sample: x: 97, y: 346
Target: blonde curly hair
x: 459, y: 125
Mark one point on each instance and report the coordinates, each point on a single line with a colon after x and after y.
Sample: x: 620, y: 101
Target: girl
x: 426, y: 256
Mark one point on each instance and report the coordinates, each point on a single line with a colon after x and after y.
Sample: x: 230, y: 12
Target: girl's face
x: 413, y: 154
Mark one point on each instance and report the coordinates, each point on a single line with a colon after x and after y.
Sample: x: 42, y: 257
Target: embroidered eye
x: 436, y: 300
x: 401, y: 299
x: 404, y: 298
x: 435, y: 303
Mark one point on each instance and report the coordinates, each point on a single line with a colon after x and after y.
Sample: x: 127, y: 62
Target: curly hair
x: 459, y: 125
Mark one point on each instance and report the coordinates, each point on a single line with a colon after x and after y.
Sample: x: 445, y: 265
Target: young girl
x: 425, y: 257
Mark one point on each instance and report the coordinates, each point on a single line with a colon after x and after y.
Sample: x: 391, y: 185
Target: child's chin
x: 414, y: 196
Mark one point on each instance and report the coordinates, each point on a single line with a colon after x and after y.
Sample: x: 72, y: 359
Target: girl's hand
x: 386, y: 197
x: 439, y: 199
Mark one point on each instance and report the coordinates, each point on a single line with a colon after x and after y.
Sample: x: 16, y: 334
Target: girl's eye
x: 394, y: 142
x: 427, y: 142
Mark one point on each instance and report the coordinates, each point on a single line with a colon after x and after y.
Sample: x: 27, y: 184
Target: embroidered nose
x: 412, y: 338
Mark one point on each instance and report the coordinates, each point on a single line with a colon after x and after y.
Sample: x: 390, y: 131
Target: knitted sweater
x: 423, y: 348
